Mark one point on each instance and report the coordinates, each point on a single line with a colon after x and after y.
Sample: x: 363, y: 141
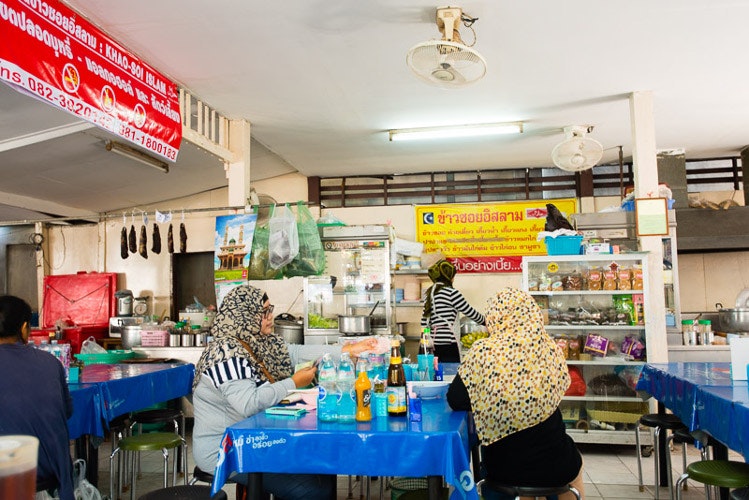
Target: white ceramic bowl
x: 429, y: 389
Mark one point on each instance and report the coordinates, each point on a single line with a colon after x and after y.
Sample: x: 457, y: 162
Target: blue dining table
x: 705, y: 397
x: 437, y: 447
x: 107, y: 391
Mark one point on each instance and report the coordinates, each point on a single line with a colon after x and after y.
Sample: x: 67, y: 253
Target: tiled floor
x: 610, y: 473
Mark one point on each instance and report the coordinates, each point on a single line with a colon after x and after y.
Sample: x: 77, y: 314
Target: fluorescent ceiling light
x: 412, y: 134
x: 137, y: 155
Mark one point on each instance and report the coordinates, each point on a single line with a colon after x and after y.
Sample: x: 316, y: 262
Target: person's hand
x: 304, y: 377
x: 359, y: 347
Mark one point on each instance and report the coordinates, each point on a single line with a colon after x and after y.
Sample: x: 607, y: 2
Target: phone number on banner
x: 17, y: 76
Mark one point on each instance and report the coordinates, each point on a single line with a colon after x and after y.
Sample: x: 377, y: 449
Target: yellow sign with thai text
x: 486, y: 237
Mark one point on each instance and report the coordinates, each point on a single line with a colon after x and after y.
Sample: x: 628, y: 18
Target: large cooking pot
x: 354, y: 324
x: 130, y: 336
x: 733, y: 320
x: 291, y: 330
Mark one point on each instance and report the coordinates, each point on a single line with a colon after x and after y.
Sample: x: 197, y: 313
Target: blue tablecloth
x: 107, y: 391
x: 86, y: 418
x: 704, y: 397
x: 386, y: 446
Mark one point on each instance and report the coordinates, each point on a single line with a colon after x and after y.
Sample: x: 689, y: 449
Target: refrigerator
x: 356, y: 281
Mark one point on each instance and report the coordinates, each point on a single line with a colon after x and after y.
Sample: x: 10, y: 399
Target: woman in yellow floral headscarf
x: 513, y: 382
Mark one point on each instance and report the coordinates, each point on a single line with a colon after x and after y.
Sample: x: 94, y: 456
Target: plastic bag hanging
x: 311, y: 258
x: 283, y: 242
x: 260, y: 268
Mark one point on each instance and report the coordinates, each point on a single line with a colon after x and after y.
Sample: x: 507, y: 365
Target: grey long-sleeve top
x: 217, y: 408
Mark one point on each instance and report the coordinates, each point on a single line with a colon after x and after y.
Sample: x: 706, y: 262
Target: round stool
x: 720, y: 473
x: 659, y: 422
x: 526, y: 491
x: 154, y: 441
x: 184, y: 493
x: 159, y: 416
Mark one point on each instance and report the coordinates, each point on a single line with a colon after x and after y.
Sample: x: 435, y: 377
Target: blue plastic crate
x: 563, y: 245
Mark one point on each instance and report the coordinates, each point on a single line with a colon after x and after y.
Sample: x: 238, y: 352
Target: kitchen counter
x: 706, y: 353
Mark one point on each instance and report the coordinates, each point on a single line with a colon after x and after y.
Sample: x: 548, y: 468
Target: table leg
x: 87, y: 451
x: 434, y: 487
x: 662, y: 465
x: 255, y: 486
x: 720, y: 452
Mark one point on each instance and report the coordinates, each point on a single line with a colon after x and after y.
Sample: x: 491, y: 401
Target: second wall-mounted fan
x: 447, y: 63
x: 577, y: 152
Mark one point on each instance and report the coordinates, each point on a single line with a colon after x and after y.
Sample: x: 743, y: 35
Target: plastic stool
x: 527, y: 491
x: 184, y: 493
x: 159, y: 416
x: 660, y: 422
x: 684, y: 437
x: 205, y: 477
x: 720, y: 473
x: 154, y: 441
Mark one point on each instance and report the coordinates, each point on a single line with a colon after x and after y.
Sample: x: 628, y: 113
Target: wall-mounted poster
x: 486, y: 237
x: 233, y: 244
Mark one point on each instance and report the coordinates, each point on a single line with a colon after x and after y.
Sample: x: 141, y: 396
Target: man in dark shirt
x: 35, y: 397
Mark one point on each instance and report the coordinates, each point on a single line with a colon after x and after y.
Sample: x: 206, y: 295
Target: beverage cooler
x: 356, y: 284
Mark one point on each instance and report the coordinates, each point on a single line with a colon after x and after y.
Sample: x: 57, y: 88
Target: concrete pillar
x: 238, y: 170
x: 745, y: 172
x: 646, y: 186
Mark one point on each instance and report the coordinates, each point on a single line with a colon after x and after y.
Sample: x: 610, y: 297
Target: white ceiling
x: 322, y: 81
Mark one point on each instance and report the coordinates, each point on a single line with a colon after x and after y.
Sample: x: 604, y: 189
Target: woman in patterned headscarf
x: 245, y: 369
x: 513, y: 382
x: 441, y: 307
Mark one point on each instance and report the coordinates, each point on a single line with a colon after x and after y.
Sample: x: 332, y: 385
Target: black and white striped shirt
x: 446, y: 304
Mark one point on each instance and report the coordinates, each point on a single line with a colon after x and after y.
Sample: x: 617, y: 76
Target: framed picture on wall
x: 651, y: 216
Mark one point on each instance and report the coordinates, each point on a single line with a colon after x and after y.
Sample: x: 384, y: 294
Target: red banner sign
x: 52, y: 53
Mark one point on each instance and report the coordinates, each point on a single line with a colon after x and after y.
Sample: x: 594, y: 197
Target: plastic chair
x: 659, y: 422
x: 199, y: 475
x: 720, y: 473
x: 184, y: 493
x: 527, y: 491
x: 154, y: 441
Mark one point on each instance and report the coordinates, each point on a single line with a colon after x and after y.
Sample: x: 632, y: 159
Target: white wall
x: 705, y: 279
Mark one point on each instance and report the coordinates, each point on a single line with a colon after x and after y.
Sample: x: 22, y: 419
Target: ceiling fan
x: 577, y: 152
x: 448, y: 62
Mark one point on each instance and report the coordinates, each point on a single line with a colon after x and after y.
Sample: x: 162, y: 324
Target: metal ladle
x: 373, y: 309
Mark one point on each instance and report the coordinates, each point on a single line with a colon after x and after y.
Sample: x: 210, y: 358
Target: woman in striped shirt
x: 441, y: 307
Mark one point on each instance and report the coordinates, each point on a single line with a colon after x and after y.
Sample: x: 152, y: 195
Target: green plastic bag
x: 311, y: 258
x: 259, y: 268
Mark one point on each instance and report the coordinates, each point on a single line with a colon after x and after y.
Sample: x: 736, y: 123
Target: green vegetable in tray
x: 316, y: 321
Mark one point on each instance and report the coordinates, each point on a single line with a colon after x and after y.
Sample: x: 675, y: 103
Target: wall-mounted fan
x: 447, y: 63
x: 577, y: 152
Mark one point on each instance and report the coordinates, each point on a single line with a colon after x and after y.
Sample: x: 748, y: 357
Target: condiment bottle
x: 689, y: 336
x: 706, y: 332
x: 396, y: 390
x: 363, y: 388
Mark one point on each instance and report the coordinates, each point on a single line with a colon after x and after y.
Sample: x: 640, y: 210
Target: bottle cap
x: 687, y: 322
x: 705, y: 322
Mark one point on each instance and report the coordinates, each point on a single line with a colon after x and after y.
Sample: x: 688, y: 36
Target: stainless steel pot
x: 734, y: 320
x: 130, y: 336
x: 354, y: 325
x: 291, y: 331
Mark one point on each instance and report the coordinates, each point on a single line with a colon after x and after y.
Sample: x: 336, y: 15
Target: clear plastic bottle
x: 44, y: 346
x: 346, y: 389
x: 705, y: 332
x: 327, y: 399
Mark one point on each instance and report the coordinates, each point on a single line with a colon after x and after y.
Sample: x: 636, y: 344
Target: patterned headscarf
x: 441, y: 273
x: 239, y: 318
x: 517, y: 376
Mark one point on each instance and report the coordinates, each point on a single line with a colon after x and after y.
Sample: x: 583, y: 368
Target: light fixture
x: 483, y: 129
x: 137, y: 155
